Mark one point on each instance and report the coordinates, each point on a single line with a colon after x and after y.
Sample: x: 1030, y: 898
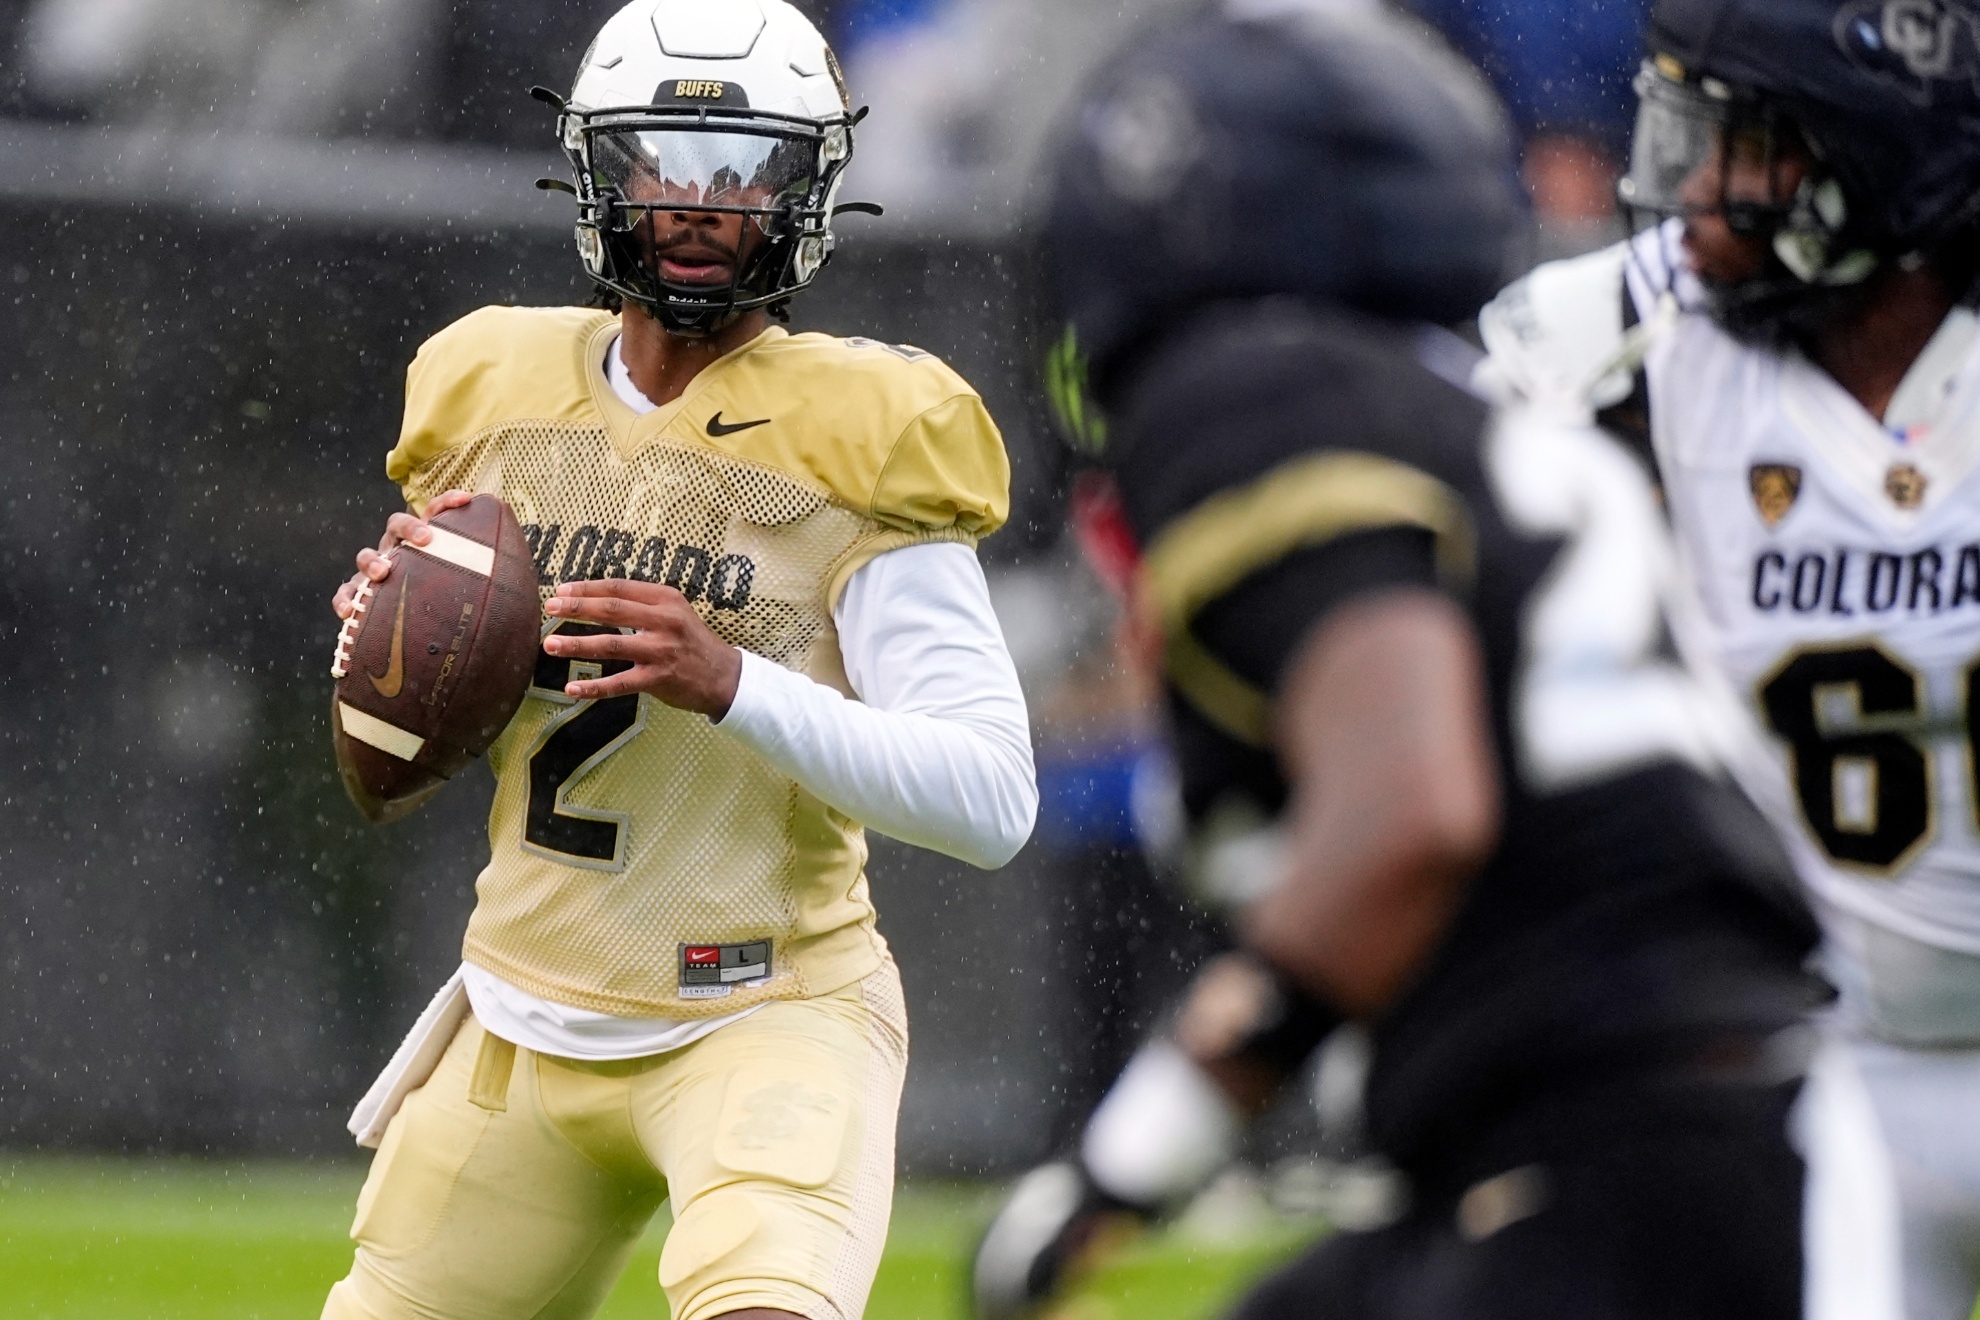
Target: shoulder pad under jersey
x: 890, y: 427
x: 493, y: 364
x: 888, y: 382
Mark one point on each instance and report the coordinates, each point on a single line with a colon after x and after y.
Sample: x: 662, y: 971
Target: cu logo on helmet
x: 1913, y: 43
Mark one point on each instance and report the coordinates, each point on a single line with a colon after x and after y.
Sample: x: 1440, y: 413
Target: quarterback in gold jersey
x: 764, y: 629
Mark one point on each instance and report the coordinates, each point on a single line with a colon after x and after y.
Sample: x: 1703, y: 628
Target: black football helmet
x: 1883, y: 94
x: 1343, y: 156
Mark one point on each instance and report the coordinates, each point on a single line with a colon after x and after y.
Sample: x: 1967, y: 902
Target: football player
x: 1427, y: 641
x: 765, y: 627
x: 1794, y: 349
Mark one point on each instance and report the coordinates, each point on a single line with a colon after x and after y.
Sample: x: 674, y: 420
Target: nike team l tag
x: 716, y: 426
x: 711, y: 971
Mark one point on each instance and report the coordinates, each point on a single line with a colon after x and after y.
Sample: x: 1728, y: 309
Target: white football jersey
x: 1836, y: 560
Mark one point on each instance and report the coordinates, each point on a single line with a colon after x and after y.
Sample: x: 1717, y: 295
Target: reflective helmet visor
x: 1695, y: 151
x: 678, y: 167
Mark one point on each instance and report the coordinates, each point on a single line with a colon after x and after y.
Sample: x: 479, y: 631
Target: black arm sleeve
x: 1257, y: 627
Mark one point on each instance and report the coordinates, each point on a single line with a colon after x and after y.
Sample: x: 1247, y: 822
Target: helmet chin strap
x: 1779, y: 307
x: 683, y: 312
x: 699, y: 325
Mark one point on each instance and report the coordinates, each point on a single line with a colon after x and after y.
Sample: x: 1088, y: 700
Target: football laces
x: 340, y: 662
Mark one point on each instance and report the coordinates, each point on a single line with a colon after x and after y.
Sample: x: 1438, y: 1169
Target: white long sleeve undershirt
x: 937, y: 752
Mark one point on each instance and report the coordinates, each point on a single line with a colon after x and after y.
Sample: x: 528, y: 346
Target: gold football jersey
x: 643, y: 862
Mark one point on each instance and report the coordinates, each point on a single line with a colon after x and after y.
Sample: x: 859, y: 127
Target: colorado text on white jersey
x: 1836, y: 558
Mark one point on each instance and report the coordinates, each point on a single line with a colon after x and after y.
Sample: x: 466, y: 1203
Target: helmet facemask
x: 778, y: 172
x: 1703, y: 148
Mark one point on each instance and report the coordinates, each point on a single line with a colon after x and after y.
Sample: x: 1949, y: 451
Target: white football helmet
x: 733, y: 106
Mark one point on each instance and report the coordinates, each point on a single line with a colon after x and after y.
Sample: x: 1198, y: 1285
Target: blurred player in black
x: 1425, y: 648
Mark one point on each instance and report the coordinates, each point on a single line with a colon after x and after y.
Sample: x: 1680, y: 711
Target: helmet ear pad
x: 1812, y: 242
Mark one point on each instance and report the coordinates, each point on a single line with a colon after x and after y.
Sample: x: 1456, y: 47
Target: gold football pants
x: 515, y: 1184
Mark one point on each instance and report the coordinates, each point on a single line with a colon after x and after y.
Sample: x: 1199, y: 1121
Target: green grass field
x: 88, y: 1239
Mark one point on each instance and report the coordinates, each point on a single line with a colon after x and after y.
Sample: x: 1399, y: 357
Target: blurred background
x: 224, y: 227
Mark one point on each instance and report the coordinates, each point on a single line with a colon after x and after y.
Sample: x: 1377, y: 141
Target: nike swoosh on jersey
x: 388, y: 683
x: 716, y: 426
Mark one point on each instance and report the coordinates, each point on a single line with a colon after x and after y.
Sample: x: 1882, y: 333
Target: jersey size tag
x: 711, y: 971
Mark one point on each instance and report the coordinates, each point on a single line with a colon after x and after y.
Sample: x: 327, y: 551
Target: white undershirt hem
x: 524, y: 1019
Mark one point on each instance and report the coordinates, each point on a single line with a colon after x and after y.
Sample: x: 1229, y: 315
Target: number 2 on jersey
x: 1865, y: 792
x: 1597, y: 695
x: 573, y: 744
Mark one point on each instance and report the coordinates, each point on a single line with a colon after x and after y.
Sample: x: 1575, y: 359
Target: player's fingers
x: 600, y: 609
x: 372, y: 566
x: 613, y: 685
x: 646, y: 593
x: 405, y: 527
x: 613, y: 612
x: 597, y: 646
x: 449, y: 499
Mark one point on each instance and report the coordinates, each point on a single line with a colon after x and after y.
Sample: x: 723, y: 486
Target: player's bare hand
x: 673, y: 654
x: 373, y: 565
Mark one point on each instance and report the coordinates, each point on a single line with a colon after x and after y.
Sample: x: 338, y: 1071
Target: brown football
x: 434, y: 660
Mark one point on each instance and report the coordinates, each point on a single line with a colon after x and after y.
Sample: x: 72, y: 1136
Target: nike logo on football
x: 716, y: 426
x: 388, y: 683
